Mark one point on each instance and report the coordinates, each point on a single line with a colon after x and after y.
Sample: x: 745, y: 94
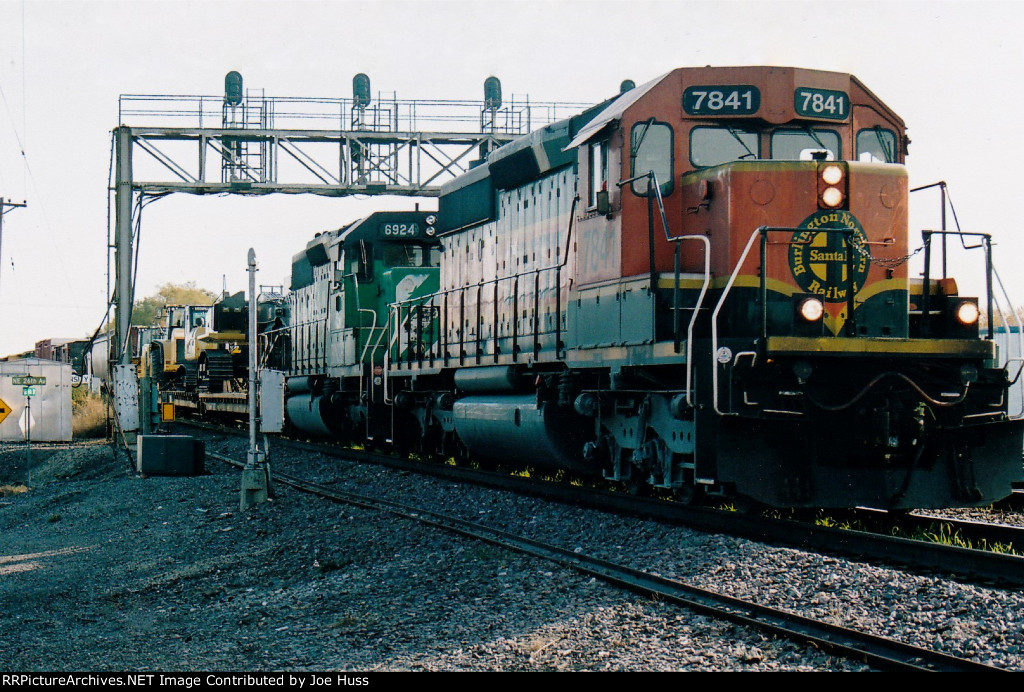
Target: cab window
x: 597, y: 161
x: 713, y: 146
x: 805, y: 144
x: 651, y: 149
x: 876, y: 145
x: 403, y: 255
x: 200, y: 317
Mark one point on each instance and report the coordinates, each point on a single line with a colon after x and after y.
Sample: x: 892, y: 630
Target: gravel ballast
x: 103, y: 571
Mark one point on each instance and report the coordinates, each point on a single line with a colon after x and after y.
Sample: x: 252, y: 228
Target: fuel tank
x: 309, y: 413
x: 517, y: 429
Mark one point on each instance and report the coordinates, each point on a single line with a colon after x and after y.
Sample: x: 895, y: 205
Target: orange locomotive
x: 703, y: 285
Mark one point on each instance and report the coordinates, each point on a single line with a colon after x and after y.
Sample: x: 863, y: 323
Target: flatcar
x: 699, y: 285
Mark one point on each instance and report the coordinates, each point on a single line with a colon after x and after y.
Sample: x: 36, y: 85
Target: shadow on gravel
x: 80, y: 460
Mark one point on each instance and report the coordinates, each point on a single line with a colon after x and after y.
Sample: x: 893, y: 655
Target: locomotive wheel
x: 748, y: 505
x: 687, y: 494
x: 487, y: 465
x: 460, y: 454
x: 635, y: 487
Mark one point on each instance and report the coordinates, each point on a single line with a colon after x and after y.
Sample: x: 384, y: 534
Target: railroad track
x: 990, y: 536
x: 880, y: 652
x: 1014, y: 501
x: 874, y: 545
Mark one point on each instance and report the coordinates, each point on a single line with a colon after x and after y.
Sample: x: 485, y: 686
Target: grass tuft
x: 88, y: 415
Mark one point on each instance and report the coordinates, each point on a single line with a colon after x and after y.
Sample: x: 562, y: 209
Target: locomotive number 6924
x: 400, y: 230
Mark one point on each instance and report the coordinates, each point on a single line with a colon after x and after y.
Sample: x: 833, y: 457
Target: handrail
x: 1020, y: 336
x: 696, y: 310
x: 373, y: 325
x: 387, y: 349
x: 763, y: 232
x: 561, y: 260
x: 1013, y: 311
x: 653, y: 183
x: 289, y: 329
x: 986, y: 243
x: 714, y: 320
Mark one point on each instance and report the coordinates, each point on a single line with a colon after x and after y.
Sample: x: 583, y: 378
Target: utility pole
x: 6, y: 207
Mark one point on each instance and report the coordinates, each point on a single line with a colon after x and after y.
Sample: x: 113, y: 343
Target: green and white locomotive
x: 341, y: 329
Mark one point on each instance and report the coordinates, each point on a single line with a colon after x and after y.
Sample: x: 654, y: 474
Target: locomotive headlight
x: 431, y: 231
x: 811, y: 309
x: 833, y: 185
x: 967, y: 313
x: 832, y: 197
x: 832, y: 174
x: 431, y: 219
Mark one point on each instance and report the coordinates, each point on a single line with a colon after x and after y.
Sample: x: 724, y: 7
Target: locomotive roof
x: 468, y: 199
x: 362, y: 229
x: 613, y: 111
x: 369, y: 228
x: 775, y: 83
x: 527, y: 156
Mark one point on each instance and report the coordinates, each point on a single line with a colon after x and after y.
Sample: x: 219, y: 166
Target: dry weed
x: 88, y: 416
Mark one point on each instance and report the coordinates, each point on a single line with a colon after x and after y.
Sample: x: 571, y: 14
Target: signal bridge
x: 247, y: 143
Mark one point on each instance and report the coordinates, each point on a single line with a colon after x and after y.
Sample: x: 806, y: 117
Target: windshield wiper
x: 816, y: 138
x: 742, y: 143
x: 890, y: 156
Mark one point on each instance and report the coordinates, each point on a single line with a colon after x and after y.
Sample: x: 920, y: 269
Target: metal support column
x: 126, y: 404
x: 256, y: 486
x: 123, y: 198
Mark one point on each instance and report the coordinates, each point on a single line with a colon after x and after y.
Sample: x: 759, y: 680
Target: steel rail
x: 881, y: 652
x: 954, y: 561
x: 970, y: 530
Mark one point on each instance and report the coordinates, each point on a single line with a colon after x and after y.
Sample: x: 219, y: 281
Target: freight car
x: 198, y: 355
x: 700, y: 285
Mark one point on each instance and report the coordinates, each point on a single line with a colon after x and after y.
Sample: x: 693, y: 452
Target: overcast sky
x: 952, y: 70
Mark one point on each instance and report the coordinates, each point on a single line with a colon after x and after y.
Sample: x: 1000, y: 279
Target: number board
x: 710, y: 99
x: 409, y: 229
x: 821, y: 103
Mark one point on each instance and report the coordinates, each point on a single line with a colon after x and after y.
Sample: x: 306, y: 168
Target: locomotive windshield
x: 876, y: 145
x: 805, y: 144
x: 713, y: 146
x: 410, y: 255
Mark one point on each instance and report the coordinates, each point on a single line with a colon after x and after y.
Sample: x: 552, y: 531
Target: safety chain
x: 888, y: 262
